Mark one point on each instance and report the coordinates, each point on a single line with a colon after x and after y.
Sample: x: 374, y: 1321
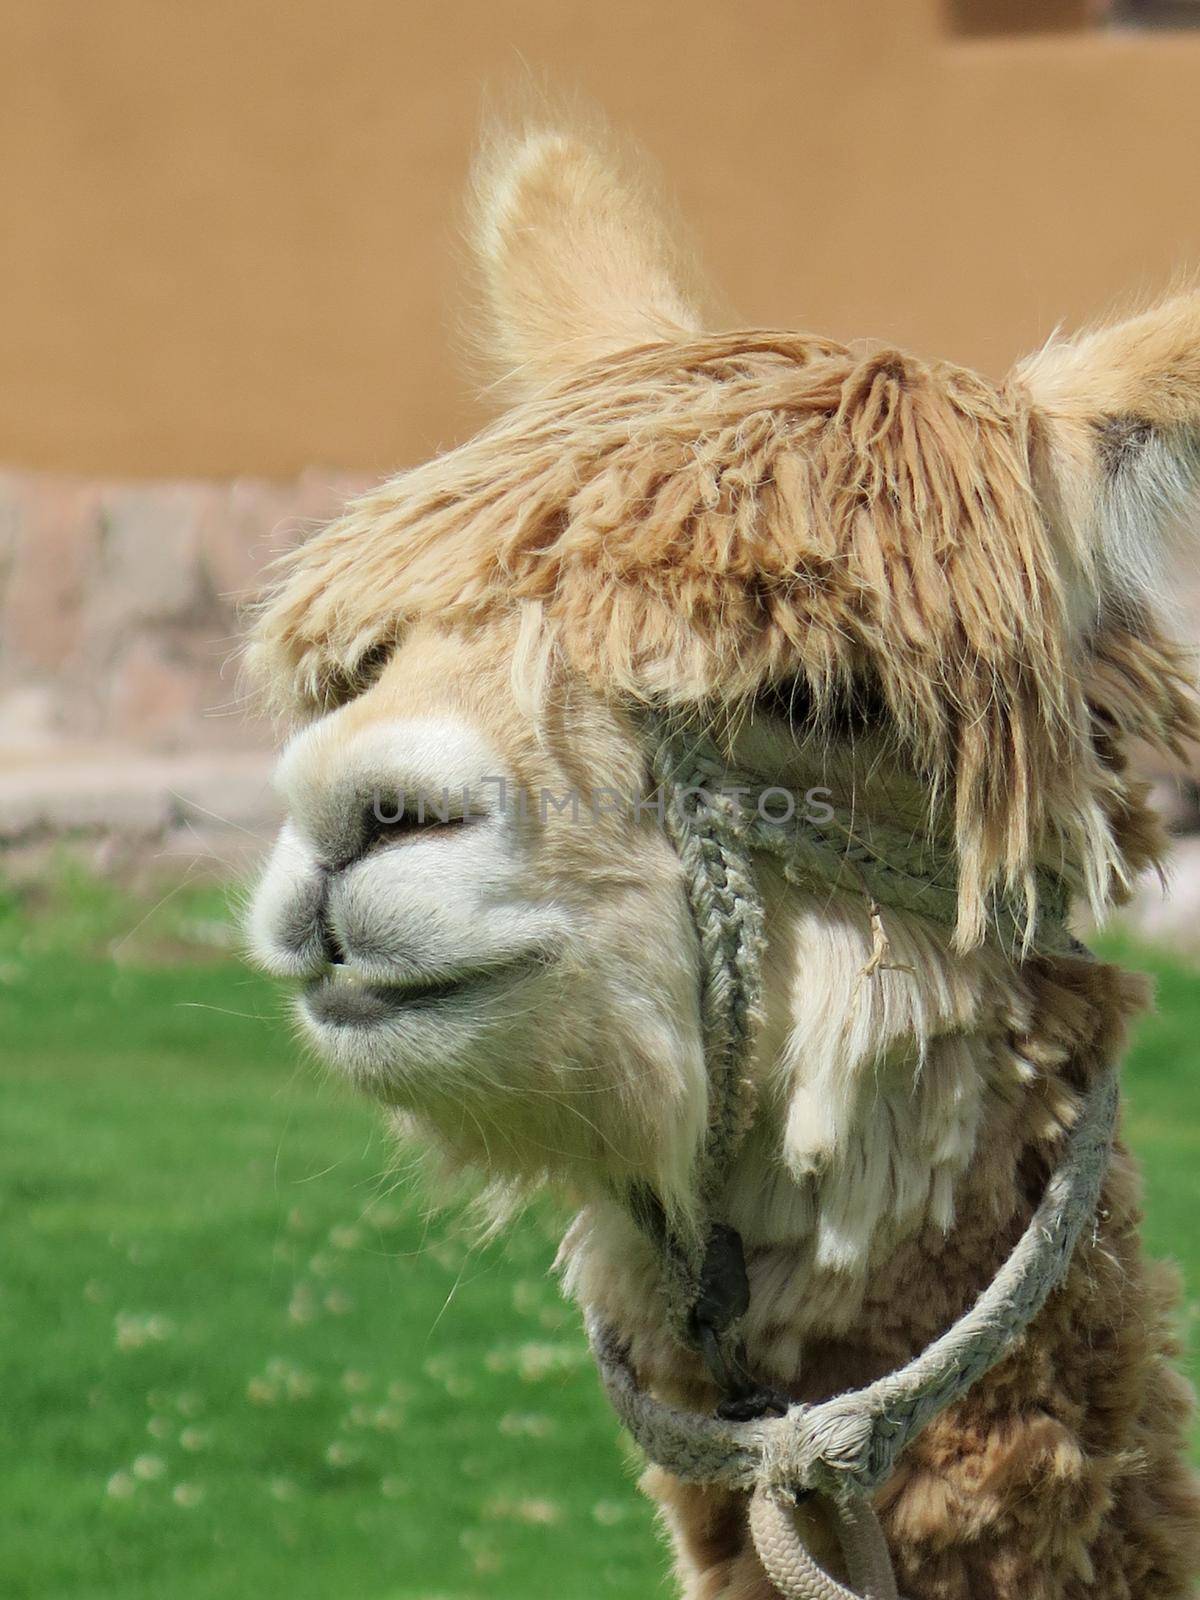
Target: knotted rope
x: 842, y: 1449
x: 794, y: 1572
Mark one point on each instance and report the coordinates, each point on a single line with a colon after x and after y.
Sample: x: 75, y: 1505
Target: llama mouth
x: 342, y: 998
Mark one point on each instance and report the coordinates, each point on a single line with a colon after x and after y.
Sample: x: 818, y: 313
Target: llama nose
x: 350, y: 789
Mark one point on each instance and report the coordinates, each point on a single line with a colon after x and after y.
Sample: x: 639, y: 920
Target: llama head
x: 862, y: 569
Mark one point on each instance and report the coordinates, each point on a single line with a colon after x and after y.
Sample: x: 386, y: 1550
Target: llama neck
x: 876, y: 1091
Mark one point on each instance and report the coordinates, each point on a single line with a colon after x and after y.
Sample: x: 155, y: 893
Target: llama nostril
x: 392, y: 822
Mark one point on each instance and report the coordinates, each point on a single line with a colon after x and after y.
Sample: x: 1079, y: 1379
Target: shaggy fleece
x: 1063, y: 1473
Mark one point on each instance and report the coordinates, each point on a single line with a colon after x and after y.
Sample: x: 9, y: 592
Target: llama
x: 922, y: 608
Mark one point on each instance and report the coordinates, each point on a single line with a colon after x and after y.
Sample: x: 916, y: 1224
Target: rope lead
x: 842, y: 1449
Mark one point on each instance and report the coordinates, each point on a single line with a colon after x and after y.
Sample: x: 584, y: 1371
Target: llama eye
x: 346, y: 685
x: 370, y: 665
x: 857, y: 709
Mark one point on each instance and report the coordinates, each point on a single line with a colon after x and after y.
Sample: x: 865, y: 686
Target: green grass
x: 1162, y: 1120
x: 237, y: 1360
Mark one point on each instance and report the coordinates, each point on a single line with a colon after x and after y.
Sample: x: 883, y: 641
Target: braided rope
x: 847, y: 1446
x: 854, y: 1439
x: 715, y: 835
x: 895, y: 867
x: 844, y: 1448
x: 728, y: 917
x: 794, y: 1572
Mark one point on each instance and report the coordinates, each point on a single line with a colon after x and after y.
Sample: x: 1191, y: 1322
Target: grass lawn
x: 236, y: 1359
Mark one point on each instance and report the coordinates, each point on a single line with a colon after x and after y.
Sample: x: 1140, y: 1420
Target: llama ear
x: 1119, y: 415
x: 575, y: 259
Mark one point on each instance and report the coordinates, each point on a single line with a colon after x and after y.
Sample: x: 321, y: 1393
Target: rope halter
x: 842, y: 1449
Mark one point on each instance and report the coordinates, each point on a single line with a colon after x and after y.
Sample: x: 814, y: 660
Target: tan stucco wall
x: 229, y: 245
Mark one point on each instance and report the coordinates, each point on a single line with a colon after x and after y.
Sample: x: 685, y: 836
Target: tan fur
x: 574, y: 260
x: 693, y: 520
x: 1033, y: 1485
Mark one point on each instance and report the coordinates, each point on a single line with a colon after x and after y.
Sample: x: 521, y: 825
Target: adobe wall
x: 231, y: 238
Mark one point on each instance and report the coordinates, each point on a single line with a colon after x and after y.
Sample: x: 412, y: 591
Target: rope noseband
x: 843, y: 1449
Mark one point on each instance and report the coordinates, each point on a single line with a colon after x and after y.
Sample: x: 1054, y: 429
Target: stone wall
x: 123, y: 725
x: 231, y: 247
x: 120, y: 602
